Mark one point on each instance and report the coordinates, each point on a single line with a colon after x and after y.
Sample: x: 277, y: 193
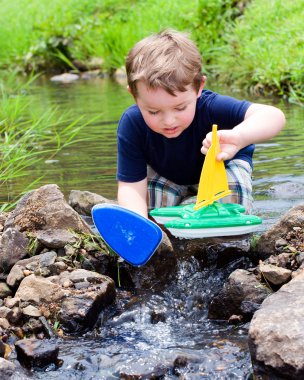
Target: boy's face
x: 164, y: 113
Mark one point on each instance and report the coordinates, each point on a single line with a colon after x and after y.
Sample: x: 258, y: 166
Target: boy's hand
x: 230, y: 142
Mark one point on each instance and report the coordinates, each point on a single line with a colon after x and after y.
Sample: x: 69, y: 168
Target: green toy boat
x: 207, y: 217
x: 217, y: 219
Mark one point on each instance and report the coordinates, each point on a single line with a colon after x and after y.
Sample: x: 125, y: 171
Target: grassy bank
x: 264, y: 38
x: 267, y: 44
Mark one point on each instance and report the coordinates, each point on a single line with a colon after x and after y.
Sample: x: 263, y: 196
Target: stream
x: 146, y: 330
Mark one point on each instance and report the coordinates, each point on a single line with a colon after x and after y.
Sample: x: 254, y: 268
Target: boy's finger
x: 222, y: 156
x: 204, y: 150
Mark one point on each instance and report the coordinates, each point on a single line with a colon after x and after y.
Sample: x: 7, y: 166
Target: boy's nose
x: 168, y: 120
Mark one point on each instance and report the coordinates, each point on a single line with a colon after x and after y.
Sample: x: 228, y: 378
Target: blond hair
x: 167, y: 60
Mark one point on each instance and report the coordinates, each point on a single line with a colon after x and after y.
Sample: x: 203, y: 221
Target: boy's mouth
x: 170, y: 131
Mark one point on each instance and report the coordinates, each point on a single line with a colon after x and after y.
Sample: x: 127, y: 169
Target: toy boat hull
x: 217, y: 219
x: 200, y: 233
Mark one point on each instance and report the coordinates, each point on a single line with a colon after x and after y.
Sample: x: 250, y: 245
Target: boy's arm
x: 261, y: 123
x: 133, y: 196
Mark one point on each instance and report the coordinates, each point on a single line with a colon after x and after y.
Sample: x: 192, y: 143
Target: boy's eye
x: 181, y: 108
x: 153, y: 112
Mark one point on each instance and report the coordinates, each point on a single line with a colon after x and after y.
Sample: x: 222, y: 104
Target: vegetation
x: 268, y: 44
x: 27, y: 137
x: 265, y: 38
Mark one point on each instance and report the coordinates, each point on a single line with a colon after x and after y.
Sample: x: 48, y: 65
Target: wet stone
x: 143, y: 369
x: 158, y: 316
x: 7, y: 369
x: 36, y: 353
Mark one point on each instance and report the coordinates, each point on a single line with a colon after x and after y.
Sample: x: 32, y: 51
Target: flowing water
x: 128, y: 339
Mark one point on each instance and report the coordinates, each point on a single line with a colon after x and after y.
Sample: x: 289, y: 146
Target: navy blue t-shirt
x: 177, y: 159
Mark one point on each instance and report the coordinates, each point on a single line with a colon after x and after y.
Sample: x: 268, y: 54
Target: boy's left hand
x: 230, y: 142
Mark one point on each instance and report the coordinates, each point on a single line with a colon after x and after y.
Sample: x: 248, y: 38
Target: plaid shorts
x: 163, y: 193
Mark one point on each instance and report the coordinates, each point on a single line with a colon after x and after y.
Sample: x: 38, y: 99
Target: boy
x: 162, y: 139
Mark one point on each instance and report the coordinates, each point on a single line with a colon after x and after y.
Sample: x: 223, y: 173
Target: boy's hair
x: 167, y: 60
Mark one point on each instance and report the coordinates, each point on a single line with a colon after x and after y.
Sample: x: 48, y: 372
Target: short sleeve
x: 131, y: 162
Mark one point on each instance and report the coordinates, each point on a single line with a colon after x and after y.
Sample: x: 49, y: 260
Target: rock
x: 45, y: 209
x: 241, y: 286
x: 5, y: 291
x: 95, y: 63
x: 39, y: 290
x: 2, y: 349
x: 144, y: 368
x: 81, y: 308
x: 31, y: 311
x: 217, y: 251
x: 156, y: 273
x: 55, y: 238
x: 13, y: 247
x: 36, y: 353
x: 5, y: 312
x: 65, y: 78
x: 275, y: 275
x: 282, y: 260
x: 33, y: 326
x: 267, y: 244
x: 82, y: 275
x: 12, y: 302
x: 76, y: 308
x: 276, y: 334
x: 7, y: 369
x: 4, y: 324
x: 3, y: 217
x: 57, y: 267
x: 38, y: 264
x: 16, y: 275
x: 83, y: 201
x: 15, y: 316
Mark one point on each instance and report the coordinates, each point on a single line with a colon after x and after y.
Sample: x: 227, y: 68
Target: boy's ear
x: 204, y: 78
x: 130, y: 91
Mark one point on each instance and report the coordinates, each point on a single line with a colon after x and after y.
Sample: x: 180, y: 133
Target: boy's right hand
x: 230, y: 143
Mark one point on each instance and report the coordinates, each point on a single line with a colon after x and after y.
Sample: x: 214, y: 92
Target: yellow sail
x: 213, y: 184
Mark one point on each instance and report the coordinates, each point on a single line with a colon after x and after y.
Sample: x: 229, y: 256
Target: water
x: 278, y: 179
x: 151, y: 329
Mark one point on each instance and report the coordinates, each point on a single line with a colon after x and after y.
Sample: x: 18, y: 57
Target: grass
x: 264, y: 37
x: 27, y: 137
x: 268, y: 45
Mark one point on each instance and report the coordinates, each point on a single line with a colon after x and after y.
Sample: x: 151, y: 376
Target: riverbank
x: 59, y: 279
x: 265, y: 38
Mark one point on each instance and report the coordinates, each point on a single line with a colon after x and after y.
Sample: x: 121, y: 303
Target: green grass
x: 252, y: 44
x: 268, y: 46
x: 28, y: 136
